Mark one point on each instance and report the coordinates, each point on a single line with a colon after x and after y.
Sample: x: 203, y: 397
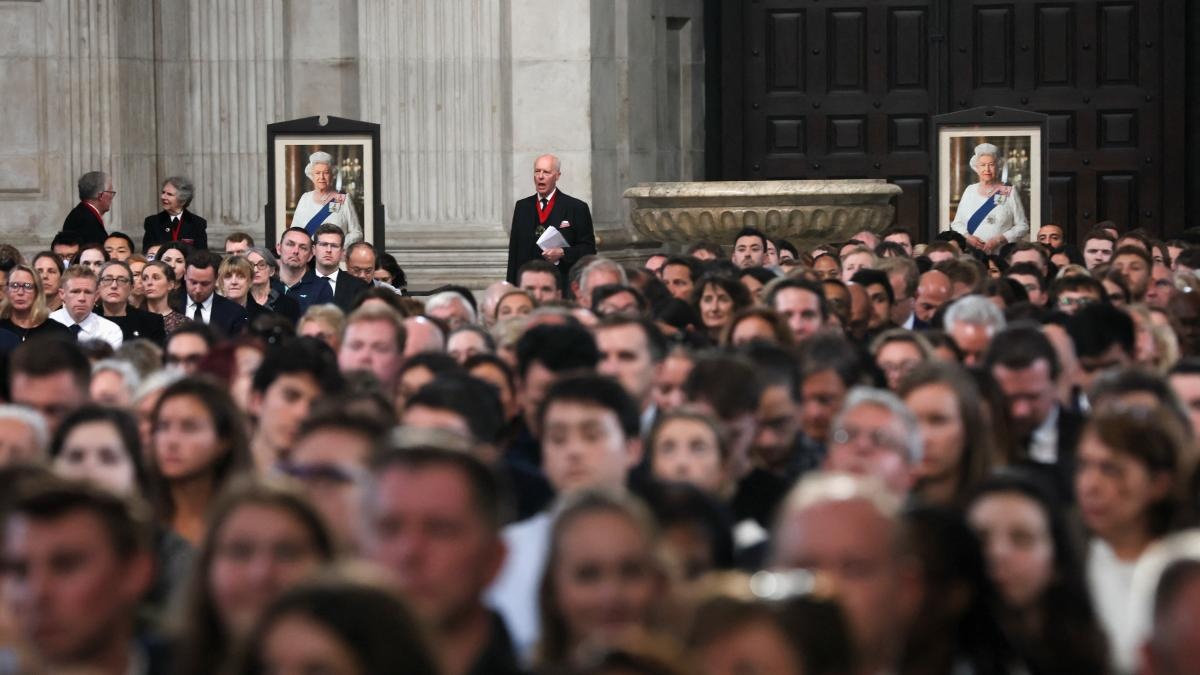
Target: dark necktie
x: 543, y: 203
x: 198, y: 315
x: 76, y: 329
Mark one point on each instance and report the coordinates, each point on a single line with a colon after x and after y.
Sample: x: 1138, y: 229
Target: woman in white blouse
x: 990, y: 214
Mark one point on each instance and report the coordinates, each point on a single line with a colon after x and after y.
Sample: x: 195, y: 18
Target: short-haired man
x: 749, y: 247
x: 362, y: 261
x: 78, y: 290
x: 433, y: 521
x: 879, y: 296
x: 599, y: 272
x: 972, y: 322
x: 899, y: 235
x: 77, y: 562
x: 51, y: 376
x: 1051, y: 235
x: 1031, y: 279
x: 933, y: 291
x: 424, y: 335
x: 292, y: 375
x: 1025, y: 367
x: 590, y: 433
x: 727, y: 387
x: 631, y: 352
x: 118, y: 246
x: 23, y: 436
x: 549, y: 207
x: 237, y: 243
x: 300, y: 282
x: 374, y: 340
x: 65, y: 245
x: 1097, y: 248
x: 188, y: 346
x: 705, y: 251
x: 541, y: 280
x: 1135, y: 265
x: 654, y: 263
x: 86, y: 220
x: 452, y: 308
x: 875, y: 435
x: 801, y: 303
x: 327, y: 245
x: 1027, y: 251
x: 1103, y: 339
x: 679, y: 274
x: 904, y: 276
x: 848, y: 527
x: 224, y: 316
x: 1161, y: 287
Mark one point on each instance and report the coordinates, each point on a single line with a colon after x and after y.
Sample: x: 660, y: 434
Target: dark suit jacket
x: 227, y: 318
x: 158, y: 230
x: 348, y: 288
x: 311, y: 290
x: 83, y: 223
x: 139, y: 324
x: 522, y: 240
x: 1061, y: 475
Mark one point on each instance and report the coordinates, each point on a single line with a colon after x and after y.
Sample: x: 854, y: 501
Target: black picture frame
x: 357, y: 151
x: 1012, y: 130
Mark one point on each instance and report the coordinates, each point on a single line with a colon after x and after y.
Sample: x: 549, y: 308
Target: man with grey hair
x: 549, y: 207
x: 971, y: 322
x: 23, y: 435
x: 451, y: 307
x: 175, y: 222
x: 86, y: 220
x: 847, y: 528
x: 599, y: 272
x: 875, y: 435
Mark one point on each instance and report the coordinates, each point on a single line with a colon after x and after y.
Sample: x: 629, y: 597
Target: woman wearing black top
x: 23, y: 310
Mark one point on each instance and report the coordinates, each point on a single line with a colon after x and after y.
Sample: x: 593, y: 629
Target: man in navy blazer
x: 175, y: 222
x: 86, y: 220
x: 549, y: 207
x: 224, y: 316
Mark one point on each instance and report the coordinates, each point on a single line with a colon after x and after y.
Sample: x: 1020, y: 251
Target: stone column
x: 433, y: 75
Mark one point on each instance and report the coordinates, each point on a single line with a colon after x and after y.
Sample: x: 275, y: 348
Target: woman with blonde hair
x: 23, y: 310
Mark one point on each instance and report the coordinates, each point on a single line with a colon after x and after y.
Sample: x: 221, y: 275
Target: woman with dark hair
x: 1133, y: 467
x: 50, y: 268
x: 100, y: 445
x: 755, y: 279
x: 388, y: 271
x: 716, y: 299
x: 91, y: 255
x: 1044, y: 607
x: 757, y: 323
x: 158, y: 284
x: 23, y: 309
x: 337, y: 626
x: 200, y: 443
x: 956, y: 432
x: 602, y: 576
x: 262, y: 538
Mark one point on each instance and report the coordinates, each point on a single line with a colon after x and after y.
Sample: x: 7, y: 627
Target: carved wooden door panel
x: 838, y: 89
x: 1103, y: 71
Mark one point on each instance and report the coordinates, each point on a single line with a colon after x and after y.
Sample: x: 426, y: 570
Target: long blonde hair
x: 39, y: 312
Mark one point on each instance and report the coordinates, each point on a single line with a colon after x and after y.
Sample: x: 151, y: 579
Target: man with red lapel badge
x: 549, y: 207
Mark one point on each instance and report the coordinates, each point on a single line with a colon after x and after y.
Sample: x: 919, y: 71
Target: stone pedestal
x: 805, y: 212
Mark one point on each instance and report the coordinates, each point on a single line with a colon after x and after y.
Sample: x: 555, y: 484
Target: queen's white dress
x: 342, y: 215
x: 1007, y: 218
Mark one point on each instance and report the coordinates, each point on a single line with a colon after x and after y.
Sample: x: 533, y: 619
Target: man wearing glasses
x: 86, y: 220
x: 79, y: 290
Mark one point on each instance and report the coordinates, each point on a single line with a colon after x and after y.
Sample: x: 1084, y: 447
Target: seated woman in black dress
x: 23, y: 310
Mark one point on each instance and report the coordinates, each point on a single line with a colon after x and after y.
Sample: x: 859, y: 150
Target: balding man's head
x: 933, y: 290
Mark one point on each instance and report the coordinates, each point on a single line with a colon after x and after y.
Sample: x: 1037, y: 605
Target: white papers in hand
x: 552, y: 238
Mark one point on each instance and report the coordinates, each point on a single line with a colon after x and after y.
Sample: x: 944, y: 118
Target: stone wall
x: 468, y: 93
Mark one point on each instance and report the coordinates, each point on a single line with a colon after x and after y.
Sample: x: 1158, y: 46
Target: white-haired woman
x: 324, y: 204
x: 990, y: 213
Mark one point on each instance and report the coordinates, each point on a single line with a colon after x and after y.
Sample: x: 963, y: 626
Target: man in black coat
x: 549, y: 207
x: 175, y: 222
x: 86, y: 220
x: 224, y: 316
x: 327, y: 251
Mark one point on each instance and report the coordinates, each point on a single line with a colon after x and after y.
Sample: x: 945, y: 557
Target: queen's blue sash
x: 983, y: 211
x: 317, y: 219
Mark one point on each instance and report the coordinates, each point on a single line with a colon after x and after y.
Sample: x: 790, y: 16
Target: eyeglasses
x: 876, y: 437
x: 327, y: 244
x: 260, y: 265
x: 109, y: 192
x: 120, y: 281
x: 15, y: 286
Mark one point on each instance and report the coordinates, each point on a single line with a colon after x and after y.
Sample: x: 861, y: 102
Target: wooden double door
x: 844, y: 89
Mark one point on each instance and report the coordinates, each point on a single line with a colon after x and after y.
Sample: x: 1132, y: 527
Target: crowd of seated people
x: 872, y: 456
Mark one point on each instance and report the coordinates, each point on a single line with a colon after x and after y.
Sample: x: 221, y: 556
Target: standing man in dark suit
x: 225, y: 317
x: 549, y: 207
x: 86, y: 220
x: 327, y: 246
x: 175, y: 222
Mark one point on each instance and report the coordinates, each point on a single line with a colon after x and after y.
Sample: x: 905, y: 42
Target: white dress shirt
x: 93, y: 327
x: 205, y: 309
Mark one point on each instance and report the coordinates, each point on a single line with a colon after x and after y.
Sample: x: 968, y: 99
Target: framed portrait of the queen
x: 991, y: 176
x: 323, y: 170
